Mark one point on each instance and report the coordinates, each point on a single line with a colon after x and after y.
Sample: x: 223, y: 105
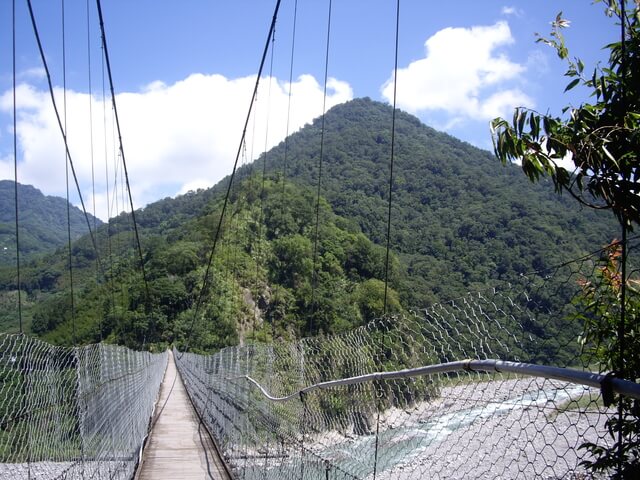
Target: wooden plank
x: 178, y: 447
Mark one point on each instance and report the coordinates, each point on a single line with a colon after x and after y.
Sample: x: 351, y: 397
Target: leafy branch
x: 601, y: 138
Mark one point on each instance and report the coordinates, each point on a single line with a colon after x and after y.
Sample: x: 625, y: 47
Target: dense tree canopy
x: 42, y: 222
x: 459, y: 222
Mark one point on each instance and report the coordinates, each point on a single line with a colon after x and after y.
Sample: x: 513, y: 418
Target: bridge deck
x: 178, y: 446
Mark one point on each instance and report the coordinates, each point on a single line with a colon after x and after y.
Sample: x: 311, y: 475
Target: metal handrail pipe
x: 590, y: 379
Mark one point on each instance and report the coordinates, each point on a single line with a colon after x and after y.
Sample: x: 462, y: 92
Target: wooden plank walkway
x: 177, y: 448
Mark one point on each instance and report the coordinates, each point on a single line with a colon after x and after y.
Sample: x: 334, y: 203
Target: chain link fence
x: 457, y: 422
x: 71, y: 413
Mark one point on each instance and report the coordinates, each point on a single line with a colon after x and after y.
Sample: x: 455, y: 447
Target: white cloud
x: 510, y: 10
x: 538, y: 62
x: 565, y: 162
x: 36, y: 73
x: 500, y: 103
x: 176, y: 137
x: 462, y: 75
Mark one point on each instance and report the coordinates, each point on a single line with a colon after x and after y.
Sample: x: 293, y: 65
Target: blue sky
x: 183, y: 73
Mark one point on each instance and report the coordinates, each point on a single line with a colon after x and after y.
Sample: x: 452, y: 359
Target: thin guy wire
x: 393, y: 143
x: 623, y: 284
x: 235, y: 166
x: 246, y: 232
x: 286, y: 137
x: 229, y: 186
x: 15, y: 168
x: 66, y: 171
x: 124, y: 163
x: 388, y: 246
x: 234, y: 241
x: 91, y: 150
x: 314, y: 280
x: 302, y: 428
x: 93, y: 179
x: 106, y: 177
x: 262, y: 187
x: 60, y: 127
x: 248, y: 236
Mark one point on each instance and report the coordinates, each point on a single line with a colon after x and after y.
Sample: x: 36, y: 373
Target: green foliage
x: 600, y: 310
x: 261, y: 283
x: 42, y: 222
x: 369, y: 298
x: 459, y: 222
x: 602, y: 138
x: 292, y: 261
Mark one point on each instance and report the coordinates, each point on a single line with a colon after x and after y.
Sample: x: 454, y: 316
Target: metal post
x: 302, y: 430
x: 621, y: 345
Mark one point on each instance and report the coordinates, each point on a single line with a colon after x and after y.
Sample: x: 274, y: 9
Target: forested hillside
x: 43, y: 222
x: 460, y: 222
x: 260, y: 284
x: 459, y: 218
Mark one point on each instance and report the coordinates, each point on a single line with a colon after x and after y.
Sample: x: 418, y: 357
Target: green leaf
x: 572, y: 84
x: 534, y: 124
x: 608, y: 154
x: 522, y: 117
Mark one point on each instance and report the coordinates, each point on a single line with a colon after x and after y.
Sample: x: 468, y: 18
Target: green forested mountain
x: 43, y: 222
x: 460, y: 221
x: 459, y: 218
x: 260, y: 285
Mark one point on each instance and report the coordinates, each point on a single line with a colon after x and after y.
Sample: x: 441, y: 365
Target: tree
x: 369, y: 298
x: 601, y: 138
x: 603, y: 141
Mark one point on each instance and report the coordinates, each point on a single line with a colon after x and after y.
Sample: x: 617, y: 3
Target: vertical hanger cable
x: 15, y: 169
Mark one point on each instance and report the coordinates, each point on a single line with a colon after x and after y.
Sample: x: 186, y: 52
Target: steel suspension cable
x: 235, y: 238
x: 251, y: 188
x: 15, y: 167
x: 391, y: 162
x: 623, y: 280
x: 262, y: 186
x: 66, y: 176
x: 286, y: 137
x: 121, y: 149
x: 247, y: 233
x: 115, y: 201
x: 314, y: 279
x: 91, y: 149
x: 60, y: 126
x: 388, y: 245
x: 232, y: 176
x: 106, y: 174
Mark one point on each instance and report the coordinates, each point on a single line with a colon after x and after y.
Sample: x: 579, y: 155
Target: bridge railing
x: 74, y: 412
x: 508, y: 419
x: 460, y: 420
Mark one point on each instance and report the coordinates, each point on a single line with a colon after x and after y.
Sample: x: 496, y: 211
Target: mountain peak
x: 43, y: 221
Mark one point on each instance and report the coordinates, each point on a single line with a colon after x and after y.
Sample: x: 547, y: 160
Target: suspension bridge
x: 448, y: 392
x: 455, y: 390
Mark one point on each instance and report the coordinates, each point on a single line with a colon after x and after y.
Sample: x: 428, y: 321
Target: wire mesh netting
x: 462, y: 424
x: 74, y: 412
